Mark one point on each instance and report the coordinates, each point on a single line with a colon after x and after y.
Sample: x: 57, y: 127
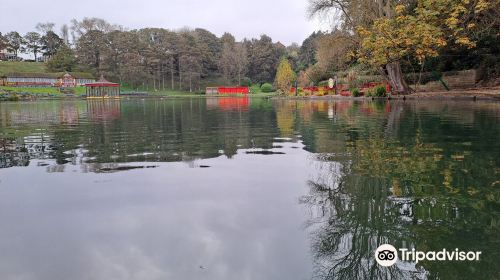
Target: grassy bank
x: 14, y: 93
x: 21, y: 67
x: 40, y: 90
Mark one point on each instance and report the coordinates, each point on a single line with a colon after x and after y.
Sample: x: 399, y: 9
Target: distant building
x: 6, y: 55
x: 67, y: 80
x: 46, y: 79
x: 211, y: 91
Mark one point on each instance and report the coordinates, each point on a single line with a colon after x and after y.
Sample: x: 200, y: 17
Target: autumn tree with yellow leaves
x: 388, y: 31
x: 432, y: 25
x: 285, y: 76
x: 390, y: 40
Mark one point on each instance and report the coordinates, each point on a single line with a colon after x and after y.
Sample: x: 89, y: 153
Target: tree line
x: 384, y: 37
x: 45, y: 41
x: 157, y: 58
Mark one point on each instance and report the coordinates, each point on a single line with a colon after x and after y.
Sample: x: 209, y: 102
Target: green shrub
x: 246, y: 82
x: 323, y: 83
x: 380, y: 91
x: 369, y: 92
x: 67, y: 90
x: 13, y: 97
x: 266, y: 87
x: 353, y: 79
x: 255, y: 88
x: 355, y: 92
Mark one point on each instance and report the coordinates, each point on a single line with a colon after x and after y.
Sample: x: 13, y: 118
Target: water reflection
x: 413, y: 175
x: 114, y: 131
x: 229, y: 103
x: 208, y: 188
x: 103, y: 110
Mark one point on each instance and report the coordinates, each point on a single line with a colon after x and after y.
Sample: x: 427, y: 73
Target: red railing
x: 232, y: 90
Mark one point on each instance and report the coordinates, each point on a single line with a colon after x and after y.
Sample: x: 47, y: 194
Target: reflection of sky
x: 238, y: 219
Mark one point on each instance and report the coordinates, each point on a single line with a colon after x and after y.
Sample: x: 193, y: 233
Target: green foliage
x: 233, y: 60
x: 266, y: 87
x: 15, y: 42
x: 51, y: 42
x: 353, y: 80
x: 380, y: 91
x: 3, y: 42
x: 263, y: 58
x: 370, y: 92
x: 67, y: 90
x: 323, y: 83
x: 255, y: 88
x: 246, y: 82
x: 355, y: 92
x: 13, y: 97
x: 39, y: 90
x: 63, y: 60
x: 89, y: 48
x: 33, y: 43
x: 307, y: 53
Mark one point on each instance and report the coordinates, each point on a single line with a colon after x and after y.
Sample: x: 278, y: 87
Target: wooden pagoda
x: 102, y: 89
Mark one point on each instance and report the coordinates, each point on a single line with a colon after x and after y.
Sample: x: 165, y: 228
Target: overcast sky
x: 284, y: 20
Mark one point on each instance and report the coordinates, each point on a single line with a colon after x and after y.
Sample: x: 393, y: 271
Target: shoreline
x: 486, y: 93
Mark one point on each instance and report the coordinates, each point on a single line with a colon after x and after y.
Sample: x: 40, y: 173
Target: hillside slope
x: 21, y: 67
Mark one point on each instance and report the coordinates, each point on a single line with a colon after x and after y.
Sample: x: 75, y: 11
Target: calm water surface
x: 237, y: 188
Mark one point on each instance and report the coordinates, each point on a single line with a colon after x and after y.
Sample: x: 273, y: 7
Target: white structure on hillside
x: 6, y: 55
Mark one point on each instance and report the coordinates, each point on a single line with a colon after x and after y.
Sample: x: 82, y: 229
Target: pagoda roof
x: 102, y: 83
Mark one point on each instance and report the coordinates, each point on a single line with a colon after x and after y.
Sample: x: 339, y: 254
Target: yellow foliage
x: 285, y: 76
x: 465, y: 41
x: 481, y: 6
x: 420, y: 34
x: 400, y: 9
x: 392, y: 39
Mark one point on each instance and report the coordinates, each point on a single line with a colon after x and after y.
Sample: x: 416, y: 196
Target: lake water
x: 238, y: 188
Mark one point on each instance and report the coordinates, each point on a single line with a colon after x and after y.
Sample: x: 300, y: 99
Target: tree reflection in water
x: 348, y: 228
x: 407, y: 180
x: 421, y: 175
